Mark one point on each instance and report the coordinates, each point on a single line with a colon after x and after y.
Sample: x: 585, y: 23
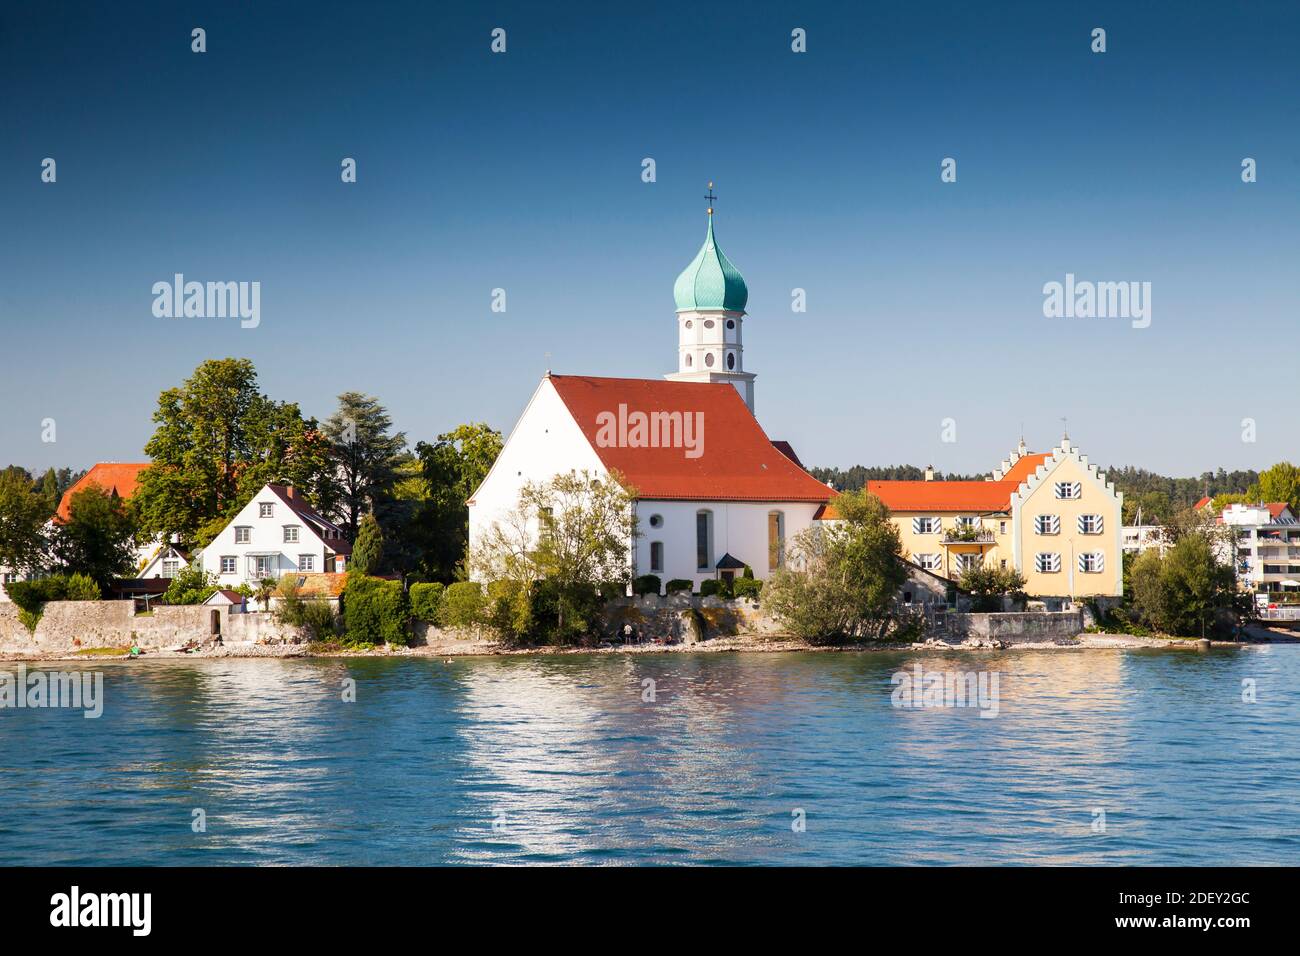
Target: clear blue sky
x: 522, y: 171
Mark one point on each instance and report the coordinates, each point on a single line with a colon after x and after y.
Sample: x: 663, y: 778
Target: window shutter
x: 916, y: 526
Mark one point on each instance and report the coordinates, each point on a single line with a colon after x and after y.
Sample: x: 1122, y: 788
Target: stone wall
x: 1015, y: 627
x: 661, y: 616
x: 68, y: 625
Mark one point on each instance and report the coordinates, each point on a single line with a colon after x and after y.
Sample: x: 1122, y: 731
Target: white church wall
x: 545, y: 442
x: 739, y: 528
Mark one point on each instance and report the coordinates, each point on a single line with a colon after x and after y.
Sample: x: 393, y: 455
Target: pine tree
x: 368, y: 550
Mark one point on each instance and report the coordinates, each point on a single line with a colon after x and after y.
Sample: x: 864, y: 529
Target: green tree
x: 368, y: 551
x: 365, y: 460
x: 989, y: 585
x: 218, y: 440
x: 23, y: 514
x: 1185, y: 591
x: 453, y: 467
x: 546, y: 560
x: 97, y: 539
x: 191, y: 585
x: 48, y: 489
x: 1279, y: 483
x: 841, y: 580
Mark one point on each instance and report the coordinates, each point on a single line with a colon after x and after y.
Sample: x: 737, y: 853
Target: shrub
x: 291, y: 609
x: 646, y: 584
x: 612, y: 590
x: 713, y: 587
x: 82, y: 587
x: 426, y: 599
x: 679, y: 584
x: 748, y: 588
x: 509, y: 610
x: 318, y: 620
x: 375, y: 611
x: 462, y: 605
x: 192, y: 585
x: 31, y: 596
x: 988, y: 586
x: 29, y: 619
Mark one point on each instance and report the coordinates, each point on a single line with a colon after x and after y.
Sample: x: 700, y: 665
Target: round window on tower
x: 731, y: 323
x: 708, y: 359
x: 708, y: 323
x: 731, y: 360
x: 689, y: 325
x: 656, y: 521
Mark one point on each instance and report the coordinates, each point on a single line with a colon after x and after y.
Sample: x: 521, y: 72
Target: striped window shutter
x: 916, y: 526
x: 1099, y: 560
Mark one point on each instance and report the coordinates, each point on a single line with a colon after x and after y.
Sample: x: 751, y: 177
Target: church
x: 714, y: 493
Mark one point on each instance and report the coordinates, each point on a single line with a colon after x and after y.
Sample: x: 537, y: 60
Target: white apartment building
x: 1267, y: 554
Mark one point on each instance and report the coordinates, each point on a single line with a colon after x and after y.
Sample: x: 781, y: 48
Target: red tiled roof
x: 738, y: 461
x: 1275, y: 508
x: 1025, y: 466
x: 121, y: 477
x: 980, y: 496
x: 1201, y: 504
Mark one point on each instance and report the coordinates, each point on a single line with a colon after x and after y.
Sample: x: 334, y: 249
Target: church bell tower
x: 711, y: 296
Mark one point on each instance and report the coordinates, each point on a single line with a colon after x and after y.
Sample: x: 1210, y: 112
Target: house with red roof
x: 714, y: 493
x: 1052, y: 516
x: 278, y: 532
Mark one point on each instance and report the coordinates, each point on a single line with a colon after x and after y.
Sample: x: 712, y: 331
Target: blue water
x: 568, y: 761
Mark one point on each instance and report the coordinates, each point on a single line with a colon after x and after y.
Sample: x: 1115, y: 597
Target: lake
x: 1093, y: 757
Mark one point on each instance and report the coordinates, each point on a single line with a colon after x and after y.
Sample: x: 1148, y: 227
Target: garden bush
x: 462, y: 605
x: 426, y: 599
x: 748, y: 588
x: 375, y: 611
x: 679, y: 584
x: 646, y: 584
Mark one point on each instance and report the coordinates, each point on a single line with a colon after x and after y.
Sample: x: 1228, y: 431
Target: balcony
x: 968, y: 536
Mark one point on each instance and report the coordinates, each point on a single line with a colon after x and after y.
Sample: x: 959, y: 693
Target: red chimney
x: 288, y: 490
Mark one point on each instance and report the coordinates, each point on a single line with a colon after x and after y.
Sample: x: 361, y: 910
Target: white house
x: 714, y: 493
x: 165, y: 562
x: 276, y: 533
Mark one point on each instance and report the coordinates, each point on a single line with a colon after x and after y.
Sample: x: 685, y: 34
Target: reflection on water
x: 672, y: 758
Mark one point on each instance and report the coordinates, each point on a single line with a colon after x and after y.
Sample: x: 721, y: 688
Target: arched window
x: 731, y: 323
x: 731, y: 360
x: 775, y: 539
x: 704, y: 540
x: 689, y: 361
x: 708, y: 359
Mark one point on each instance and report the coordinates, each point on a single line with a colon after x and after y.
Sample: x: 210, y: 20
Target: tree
x: 48, y: 489
x: 1184, y: 591
x: 842, y: 579
x: 989, y: 585
x: 22, y: 522
x: 546, y: 559
x: 96, y: 540
x: 365, y: 460
x: 1279, y: 483
x: 368, y: 550
x: 191, y: 585
x: 453, y: 467
x: 218, y: 441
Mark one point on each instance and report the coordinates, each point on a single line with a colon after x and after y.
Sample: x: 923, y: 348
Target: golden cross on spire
x: 710, y: 197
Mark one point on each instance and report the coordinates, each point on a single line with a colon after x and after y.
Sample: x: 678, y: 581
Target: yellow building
x: 1052, y: 516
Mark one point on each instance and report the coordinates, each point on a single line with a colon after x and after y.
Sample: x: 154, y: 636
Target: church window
x: 656, y: 521
x: 690, y: 324
x: 708, y: 360
x: 704, y: 540
x: 708, y: 323
x: 656, y: 556
x: 731, y: 323
x: 731, y: 360
x: 688, y: 361
x: 775, y: 539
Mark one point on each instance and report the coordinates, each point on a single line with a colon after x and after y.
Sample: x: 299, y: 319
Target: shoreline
x: 719, y: 645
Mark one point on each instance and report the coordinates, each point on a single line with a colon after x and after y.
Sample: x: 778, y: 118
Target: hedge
x: 375, y: 611
x: 646, y: 584
x: 748, y: 588
x: 462, y: 605
x: 679, y: 584
x: 31, y: 596
x: 426, y: 599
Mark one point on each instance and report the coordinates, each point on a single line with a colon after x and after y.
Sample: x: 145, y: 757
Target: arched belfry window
x: 689, y: 361
x: 731, y: 360
x: 708, y: 359
x: 731, y: 323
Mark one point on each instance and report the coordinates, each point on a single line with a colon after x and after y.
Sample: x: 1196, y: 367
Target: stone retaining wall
x: 1016, y: 627
x: 68, y: 625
